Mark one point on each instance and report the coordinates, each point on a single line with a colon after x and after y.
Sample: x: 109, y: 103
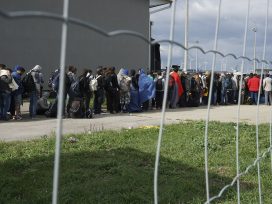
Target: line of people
x: 127, y: 91
x: 12, y: 87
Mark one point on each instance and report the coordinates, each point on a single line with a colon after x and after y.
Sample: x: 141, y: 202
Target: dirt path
x: 29, y: 129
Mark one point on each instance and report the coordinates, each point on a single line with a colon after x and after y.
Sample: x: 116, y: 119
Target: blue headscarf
x: 123, y: 71
x: 146, y: 87
x: 15, y: 75
x: 17, y: 67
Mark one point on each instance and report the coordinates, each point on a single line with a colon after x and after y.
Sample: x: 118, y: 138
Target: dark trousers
x: 98, y: 100
x: 113, y: 102
x: 12, y: 105
x: 254, y: 96
x: 146, y: 105
x: 87, y: 100
x: 4, y: 104
x: 159, y: 99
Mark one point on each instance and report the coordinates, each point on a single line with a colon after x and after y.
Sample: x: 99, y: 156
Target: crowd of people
x: 127, y: 91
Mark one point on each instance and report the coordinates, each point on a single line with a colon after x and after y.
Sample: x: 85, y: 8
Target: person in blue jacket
x: 16, y: 96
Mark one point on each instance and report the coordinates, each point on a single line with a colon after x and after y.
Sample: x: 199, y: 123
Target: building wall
x: 28, y: 42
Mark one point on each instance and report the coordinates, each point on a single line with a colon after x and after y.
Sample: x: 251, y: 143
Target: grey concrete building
x: 28, y: 42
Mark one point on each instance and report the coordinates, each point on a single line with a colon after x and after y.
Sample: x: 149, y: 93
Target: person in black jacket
x: 5, y: 92
x: 84, y: 81
x: 99, y: 92
x: 112, y: 91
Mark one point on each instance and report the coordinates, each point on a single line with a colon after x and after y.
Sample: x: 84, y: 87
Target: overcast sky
x: 202, y: 20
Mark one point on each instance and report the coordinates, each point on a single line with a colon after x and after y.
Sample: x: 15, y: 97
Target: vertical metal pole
x: 254, y: 49
x: 186, y: 35
x: 270, y: 138
x: 209, y: 104
x: 60, y: 103
x: 239, y: 104
x: 170, y: 50
x: 197, y: 56
x: 258, y: 106
x: 149, y: 47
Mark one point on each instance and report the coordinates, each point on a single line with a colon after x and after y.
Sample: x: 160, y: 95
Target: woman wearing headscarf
x: 146, y: 89
x: 36, y: 92
x: 134, y: 104
x: 124, y: 82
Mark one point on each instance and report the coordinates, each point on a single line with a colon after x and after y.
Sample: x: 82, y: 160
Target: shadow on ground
x: 121, y: 175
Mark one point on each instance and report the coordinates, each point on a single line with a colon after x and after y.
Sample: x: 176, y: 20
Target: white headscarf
x: 37, y: 68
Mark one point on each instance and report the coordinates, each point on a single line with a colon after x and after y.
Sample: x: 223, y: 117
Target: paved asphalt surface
x: 27, y: 129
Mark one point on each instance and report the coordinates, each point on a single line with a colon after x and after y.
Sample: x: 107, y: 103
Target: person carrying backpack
x: 5, y: 91
x: 33, y: 85
x: 159, y: 85
x: 53, y: 83
x: 99, y: 95
x: 124, y: 82
x: 85, y: 80
x: 16, y: 96
x: 75, y: 102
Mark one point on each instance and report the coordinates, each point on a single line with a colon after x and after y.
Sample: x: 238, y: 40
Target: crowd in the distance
x: 125, y: 91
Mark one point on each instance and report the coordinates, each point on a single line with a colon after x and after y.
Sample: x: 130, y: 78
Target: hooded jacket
x: 18, y: 79
x: 37, y: 76
x: 5, y: 80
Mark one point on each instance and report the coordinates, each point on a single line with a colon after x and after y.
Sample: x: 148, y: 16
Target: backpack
x: 53, y: 82
x: 42, y: 106
x: 28, y: 83
x: 159, y: 85
x: 228, y: 83
x: 194, y: 85
x: 74, y: 89
x: 76, y: 109
x: 94, y: 83
x: 124, y: 83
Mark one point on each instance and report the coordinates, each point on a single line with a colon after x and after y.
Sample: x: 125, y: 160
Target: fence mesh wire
x: 66, y: 20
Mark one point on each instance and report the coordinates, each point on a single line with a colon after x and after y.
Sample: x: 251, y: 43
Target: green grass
x: 117, y: 167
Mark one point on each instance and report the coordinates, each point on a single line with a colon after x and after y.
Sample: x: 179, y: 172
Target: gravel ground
x: 27, y: 129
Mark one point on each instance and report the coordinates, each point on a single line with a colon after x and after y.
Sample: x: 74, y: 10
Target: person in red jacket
x: 177, y: 89
x: 253, y: 87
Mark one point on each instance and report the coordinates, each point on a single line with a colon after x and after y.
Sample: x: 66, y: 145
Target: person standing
x: 124, y: 82
x: 36, y: 92
x: 267, y: 89
x: 5, y: 92
x: 73, y: 87
x: 112, y: 91
x: 146, y: 89
x: 177, y: 89
x: 84, y: 81
x: 99, y: 95
x: 16, y: 96
x: 159, y: 82
x: 134, y: 104
x: 253, y: 87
